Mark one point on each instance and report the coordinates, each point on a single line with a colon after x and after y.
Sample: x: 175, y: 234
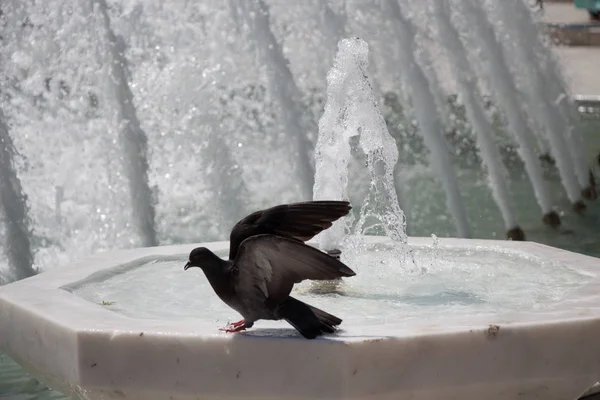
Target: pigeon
x: 267, y: 256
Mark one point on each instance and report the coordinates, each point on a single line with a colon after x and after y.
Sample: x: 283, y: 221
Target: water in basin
x: 446, y: 281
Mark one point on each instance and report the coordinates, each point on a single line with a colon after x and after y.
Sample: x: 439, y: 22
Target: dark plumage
x: 300, y: 221
x: 267, y: 256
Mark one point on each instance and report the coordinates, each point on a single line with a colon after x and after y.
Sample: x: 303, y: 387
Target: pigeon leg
x: 237, y: 326
x: 234, y: 326
x: 232, y: 330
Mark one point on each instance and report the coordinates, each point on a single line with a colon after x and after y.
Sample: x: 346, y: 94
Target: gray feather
x: 300, y: 221
x: 268, y: 266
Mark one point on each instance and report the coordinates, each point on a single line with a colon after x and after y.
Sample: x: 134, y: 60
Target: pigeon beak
x: 189, y: 264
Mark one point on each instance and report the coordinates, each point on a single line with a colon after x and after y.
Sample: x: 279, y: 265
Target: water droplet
x: 436, y: 240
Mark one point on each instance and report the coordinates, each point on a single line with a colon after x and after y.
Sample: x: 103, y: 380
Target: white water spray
x: 429, y: 124
x: 554, y: 123
x: 283, y: 87
x: 482, y: 35
x: 474, y: 103
x: 352, y: 110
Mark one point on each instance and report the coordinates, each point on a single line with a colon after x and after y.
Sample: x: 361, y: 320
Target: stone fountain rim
x: 57, y: 305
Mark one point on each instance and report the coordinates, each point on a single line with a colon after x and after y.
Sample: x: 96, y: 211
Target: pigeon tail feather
x: 302, y: 317
x: 330, y: 320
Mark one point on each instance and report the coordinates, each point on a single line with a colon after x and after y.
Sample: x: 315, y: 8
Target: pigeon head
x: 201, y: 257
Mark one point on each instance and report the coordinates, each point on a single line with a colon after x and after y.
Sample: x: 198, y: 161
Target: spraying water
x: 13, y: 206
x: 426, y: 59
x: 351, y: 109
x: 133, y: 139
x: 449, y: 36
x: 226, y: 185
x: 175, y: 52
x: 283, y: 88
x: 482, y: 36
x: 553, y: 87
x: 332, y: 24
x: 429, y: 125
x: 556, y: 126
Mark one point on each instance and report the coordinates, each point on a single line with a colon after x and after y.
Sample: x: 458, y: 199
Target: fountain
x: 108, y: 327
x: 93, y: 331
x: 14, y: 210
x: 143, y: 128
x: 123, y: 172
x: 351, y: 110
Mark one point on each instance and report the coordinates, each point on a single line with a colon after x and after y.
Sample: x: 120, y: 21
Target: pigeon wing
x: 300, y: 221
x: 268, y: 266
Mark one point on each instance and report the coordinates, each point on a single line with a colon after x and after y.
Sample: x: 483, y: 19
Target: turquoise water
x: 16, y: 384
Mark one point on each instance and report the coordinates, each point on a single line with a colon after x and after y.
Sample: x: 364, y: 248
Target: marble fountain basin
x: 471, y: 319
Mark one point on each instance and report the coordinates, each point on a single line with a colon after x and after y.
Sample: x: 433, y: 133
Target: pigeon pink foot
x: 234, y: 327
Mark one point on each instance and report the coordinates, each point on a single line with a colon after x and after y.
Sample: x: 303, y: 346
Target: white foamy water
x: 457, y: 282
x: 352, y: 110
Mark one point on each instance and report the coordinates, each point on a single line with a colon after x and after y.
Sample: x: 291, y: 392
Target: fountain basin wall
x: 94, y: 351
